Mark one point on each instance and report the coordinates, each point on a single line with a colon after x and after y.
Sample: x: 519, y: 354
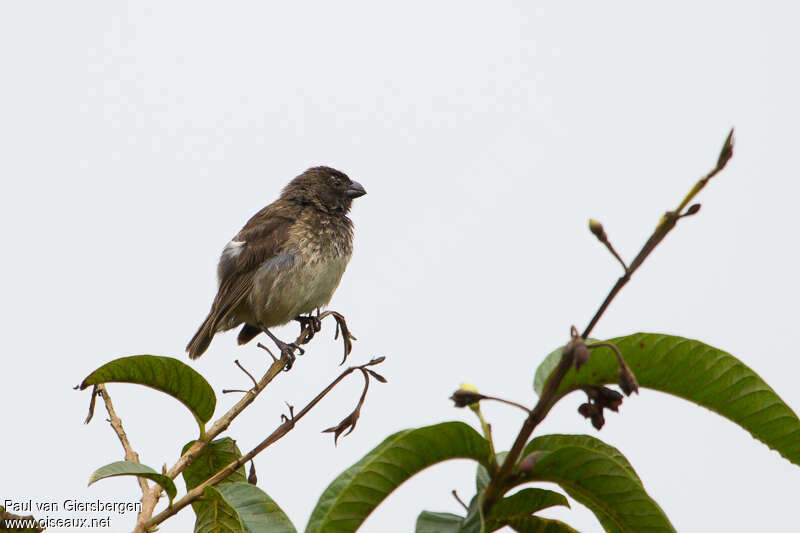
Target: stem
x: 550, y: 396
x: 276, y: 435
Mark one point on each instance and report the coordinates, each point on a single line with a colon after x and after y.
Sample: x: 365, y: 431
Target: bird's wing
x: 261, y: 240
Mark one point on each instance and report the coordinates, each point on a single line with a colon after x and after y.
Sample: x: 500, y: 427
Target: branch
x: 116, y: 424
x: 284, y: 428
x: 549, y: 397
x: 219, y: 426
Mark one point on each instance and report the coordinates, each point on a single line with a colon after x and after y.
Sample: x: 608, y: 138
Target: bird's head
x: 324, y: 187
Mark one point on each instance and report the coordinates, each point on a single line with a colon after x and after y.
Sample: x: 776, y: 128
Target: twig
x: 116, y: 424
x: 220, y: 425
x: 549, y: 395
x: 285, y: 427
x: 249, y: 375
x: 459, y: 500
x: 665, y: 225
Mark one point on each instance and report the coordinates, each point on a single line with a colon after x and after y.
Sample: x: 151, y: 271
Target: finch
x: 286, y: 261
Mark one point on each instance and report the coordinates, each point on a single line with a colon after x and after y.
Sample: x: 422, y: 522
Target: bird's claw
x: 309, y: 326
x: 287, y: 351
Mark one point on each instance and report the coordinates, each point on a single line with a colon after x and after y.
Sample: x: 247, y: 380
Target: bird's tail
x: 202, y: 338
x: 247, y: 334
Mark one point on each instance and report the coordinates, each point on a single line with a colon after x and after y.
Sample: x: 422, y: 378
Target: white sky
x: 137, y: 139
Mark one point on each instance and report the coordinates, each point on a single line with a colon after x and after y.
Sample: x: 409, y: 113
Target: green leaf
x: 536, y: 524
x: 214, y: 515
x: 257, y: 511
x: 430, y: 522
x: 527, y: 502
x: 599, y: 477
x: 482, y: 475
x: 129, y: 468
x: 214, y: 457
x: 355, y: 493
x: 696, y: 372
x: 474, y: 522
x: 240, y: 508
x: 521, y: 505
x: 165, y: 374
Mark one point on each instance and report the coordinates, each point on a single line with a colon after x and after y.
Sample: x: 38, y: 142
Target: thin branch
x: 665, y: 225
x: 284, y: 428
x: 509, y: 402
x: 249, y: 375
x: 116, y: 424
x: 220, y: 425
x: 550, y: 395
x: 459, y: 500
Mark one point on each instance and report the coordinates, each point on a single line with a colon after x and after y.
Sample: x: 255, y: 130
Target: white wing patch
x: 228, y: 258
x: 233, y: 249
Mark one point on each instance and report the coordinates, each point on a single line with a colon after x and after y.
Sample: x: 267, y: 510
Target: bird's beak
x: 355, y: 190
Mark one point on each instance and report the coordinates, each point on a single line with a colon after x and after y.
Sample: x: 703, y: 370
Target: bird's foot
x: 347, y: 337
x: 287, y: 349
x: 309, y: 326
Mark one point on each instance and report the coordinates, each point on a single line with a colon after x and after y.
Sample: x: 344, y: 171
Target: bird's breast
x: 320, y: 253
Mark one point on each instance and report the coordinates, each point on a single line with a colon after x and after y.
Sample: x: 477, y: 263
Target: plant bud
x: 581, y: 354
x: 694, y: 208
x: 627, y: 381
x: 609, y: 398
x: 577, y: 351
x: 597, y: 229
x: 588, y: 409
x: 252, y: 478
x: 463, y: 397
x: 597, y: 420
x: 526, y: 465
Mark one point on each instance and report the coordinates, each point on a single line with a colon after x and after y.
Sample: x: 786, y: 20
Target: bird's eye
x: 336, y: 181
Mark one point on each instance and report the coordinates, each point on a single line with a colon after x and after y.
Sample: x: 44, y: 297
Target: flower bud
x: 588, y: 409
x: 465, y: 397
x: 694, y: 208
x: 627, y: 381
x: 597, y: 229
x: 577, y: 350
x: 609, y: 398
x: 526, y: 465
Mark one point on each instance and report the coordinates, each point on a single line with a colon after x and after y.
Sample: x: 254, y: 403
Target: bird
x: 286, y: 261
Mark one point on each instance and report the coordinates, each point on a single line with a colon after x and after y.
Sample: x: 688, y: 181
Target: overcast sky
x: 138, y: 137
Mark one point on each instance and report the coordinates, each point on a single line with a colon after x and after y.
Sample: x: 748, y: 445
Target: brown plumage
x: 286, y: 261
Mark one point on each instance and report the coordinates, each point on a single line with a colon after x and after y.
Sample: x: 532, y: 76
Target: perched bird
x: 286, y: 261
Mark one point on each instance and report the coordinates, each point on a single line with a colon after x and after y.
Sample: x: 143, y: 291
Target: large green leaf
x: 536, y: 524
x: 212, y: 511
x: 518, y: 507
x: 216, y: 455
x: 257, y: 511
x: 482, y: 475
x: 527, y: 502
x: 214, y: 515
x: 696, y: 372
x: 598, y: 476
x: 352, y: 496
x: 165, y: 374
x: 511, y: 510
x: 240, y: 508
x: 129, y: 468
x: 475, y: 521
x: 429, y: 522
